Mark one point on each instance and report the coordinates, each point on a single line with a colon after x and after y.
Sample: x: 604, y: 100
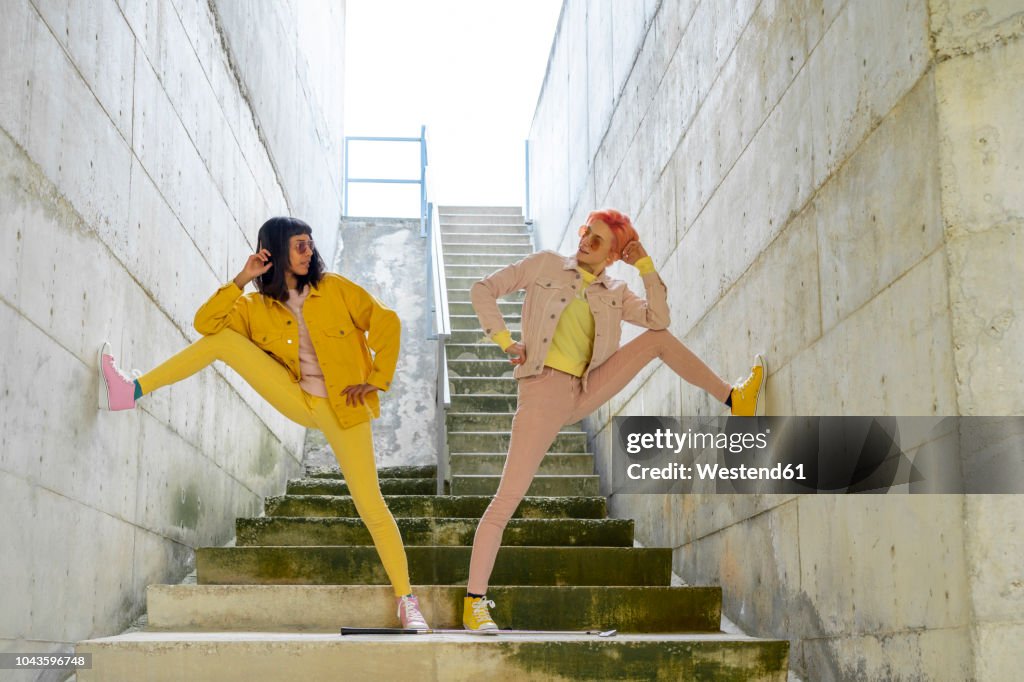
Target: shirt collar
x: 571, y: 263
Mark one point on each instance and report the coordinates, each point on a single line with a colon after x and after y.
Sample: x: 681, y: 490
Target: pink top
x: 312, y: 380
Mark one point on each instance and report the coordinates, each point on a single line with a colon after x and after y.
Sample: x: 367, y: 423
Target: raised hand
x: 633, y: 251
x: 255, y: 265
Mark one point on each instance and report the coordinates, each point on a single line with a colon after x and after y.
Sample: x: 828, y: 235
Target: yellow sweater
x: 573, y: 342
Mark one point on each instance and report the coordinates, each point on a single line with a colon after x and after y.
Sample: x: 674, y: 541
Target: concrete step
x: 476, y: 270
x: 311, y: 530
x: 446, y: 506
x: 453, y: 219
x: 483, y: 402
x: 471, y: 321
x: 495, y: 210
x: 480, y: 368
x: 470, y: 336
x: 462, y: 296
x: 494, y: 463
x: 490, y: 260
x: 497, y: 441
x: 324, y: 608
x: 425, y: 471
x: 520, y: 236
x: 274, y: 657
x: 506, y: 307
x: 478, y: 385
x: 520, y: 250
x: 479, y: 351
x: 490, y: 421
x: 541, y: 485
x: 388, y: 486
x: 484, y: 231
x: 433, y: 565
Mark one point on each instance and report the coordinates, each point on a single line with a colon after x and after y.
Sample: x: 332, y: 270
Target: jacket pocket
x: 267, y: 340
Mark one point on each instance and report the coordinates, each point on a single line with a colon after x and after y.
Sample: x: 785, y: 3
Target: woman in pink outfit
x: 569, y: 363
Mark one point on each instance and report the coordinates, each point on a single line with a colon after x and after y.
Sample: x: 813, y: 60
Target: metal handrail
x: 422, y: 181
x: 442, y: 332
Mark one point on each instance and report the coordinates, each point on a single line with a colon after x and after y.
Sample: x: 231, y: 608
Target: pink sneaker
x: 116, y: 389
x: 409, y: 613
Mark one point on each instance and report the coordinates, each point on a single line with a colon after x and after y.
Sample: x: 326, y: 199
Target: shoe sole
x: 103, y: 390
x: 764, y: 383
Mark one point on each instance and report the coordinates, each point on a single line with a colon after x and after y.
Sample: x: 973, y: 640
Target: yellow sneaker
x: 746, y: 395
x: 475, y: 615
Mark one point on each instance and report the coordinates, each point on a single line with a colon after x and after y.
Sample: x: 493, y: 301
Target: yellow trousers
x: 353, y: 447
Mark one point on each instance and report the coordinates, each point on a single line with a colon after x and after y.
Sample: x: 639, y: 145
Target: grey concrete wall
x: 141, y: 146
x: 835, y: 183
x: 387, y: 257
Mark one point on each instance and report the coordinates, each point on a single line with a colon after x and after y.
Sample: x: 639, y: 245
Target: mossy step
x: 498, y: 441
x: 475, y: 351
x: 494, y: 463
x: 322, y: 608
x: 307, y: 531
x: 424, y: 471
x: 285, y: 657
x: 388, y: 486
x: 495, y: 367
x: 433, y: 565
x: 444, y: 506
x: 466, y: 308
x: 492, y: 421
x: 484, y: 402
x: 469, y: 336
x: 471, y: 321
x: 541, y: 485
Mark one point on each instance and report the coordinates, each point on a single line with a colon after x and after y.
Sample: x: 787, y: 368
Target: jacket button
x: 343, y: 332
x: 288, y: 322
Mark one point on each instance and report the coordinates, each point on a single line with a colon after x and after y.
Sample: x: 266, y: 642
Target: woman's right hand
x: 256, y: 265
x: 516, y: 353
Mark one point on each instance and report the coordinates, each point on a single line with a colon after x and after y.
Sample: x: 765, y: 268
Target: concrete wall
x: 141, y: 146
x: 835, y: 183
x: 387, y: 257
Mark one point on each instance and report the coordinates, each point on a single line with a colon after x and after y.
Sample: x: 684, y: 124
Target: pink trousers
x: 552, y: 399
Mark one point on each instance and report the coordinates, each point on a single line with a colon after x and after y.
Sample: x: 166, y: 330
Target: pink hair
x: 620, y: 225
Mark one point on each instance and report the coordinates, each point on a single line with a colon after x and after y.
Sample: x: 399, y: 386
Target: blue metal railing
x: 422, y: 181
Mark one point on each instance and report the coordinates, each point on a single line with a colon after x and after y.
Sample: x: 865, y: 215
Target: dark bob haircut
x: 274, y: 236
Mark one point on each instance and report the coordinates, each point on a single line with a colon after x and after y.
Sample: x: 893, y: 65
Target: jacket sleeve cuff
x: 377, y: 379
x: 503, y: 339
x: 645, y: 265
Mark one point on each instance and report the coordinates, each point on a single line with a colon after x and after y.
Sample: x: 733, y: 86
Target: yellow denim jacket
x: 345, y: 323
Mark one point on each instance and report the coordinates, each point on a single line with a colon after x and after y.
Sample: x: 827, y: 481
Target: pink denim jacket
x: 551, y: 281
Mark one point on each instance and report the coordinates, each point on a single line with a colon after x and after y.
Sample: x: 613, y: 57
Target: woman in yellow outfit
x: 303, y: 341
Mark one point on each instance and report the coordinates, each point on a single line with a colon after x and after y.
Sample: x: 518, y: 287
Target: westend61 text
x: 716, y: 472
x: 665, y: 439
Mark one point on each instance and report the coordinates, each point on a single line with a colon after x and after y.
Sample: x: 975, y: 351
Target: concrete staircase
x: 270, y: 607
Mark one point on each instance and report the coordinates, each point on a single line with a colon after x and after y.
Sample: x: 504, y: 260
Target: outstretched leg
x: 267, y: 376
x: 625, y: 363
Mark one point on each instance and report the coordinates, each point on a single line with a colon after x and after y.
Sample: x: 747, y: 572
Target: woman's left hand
x: 356, y: 395
x: 633, y: 252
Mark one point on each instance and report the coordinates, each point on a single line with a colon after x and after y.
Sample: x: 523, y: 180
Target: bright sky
x: 470, y: 71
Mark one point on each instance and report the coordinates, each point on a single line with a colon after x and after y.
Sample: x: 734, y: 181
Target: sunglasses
x: 304, y: 246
